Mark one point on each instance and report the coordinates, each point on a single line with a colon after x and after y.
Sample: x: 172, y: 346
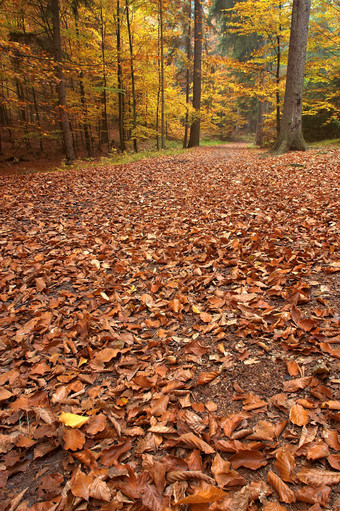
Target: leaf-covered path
x: 187, y: 309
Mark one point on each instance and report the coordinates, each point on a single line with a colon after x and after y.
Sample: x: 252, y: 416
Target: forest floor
x: 170, y: 334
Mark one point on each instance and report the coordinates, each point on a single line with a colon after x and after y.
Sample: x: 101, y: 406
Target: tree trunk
x: 65, y: 122
x: 194, y: 139
x: 133, y: 87
x: 187, y: 74
x: 161, y: 41
x: 291, y: 136
x: 85, y: 123
x: 104, y: 128
x: 120, y: 83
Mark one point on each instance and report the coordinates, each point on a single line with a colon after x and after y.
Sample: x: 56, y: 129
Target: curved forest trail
x: 170, y: 335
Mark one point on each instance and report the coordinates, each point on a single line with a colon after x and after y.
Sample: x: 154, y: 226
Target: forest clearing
x: 170, y: 334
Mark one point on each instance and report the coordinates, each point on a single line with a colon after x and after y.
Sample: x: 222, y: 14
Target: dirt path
x: 188, y: 308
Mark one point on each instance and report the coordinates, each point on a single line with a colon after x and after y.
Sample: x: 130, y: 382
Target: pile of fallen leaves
x: 170, y: 335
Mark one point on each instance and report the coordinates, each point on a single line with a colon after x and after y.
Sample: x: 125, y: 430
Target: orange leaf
x: 273, y: 506
x: 285, y: 463
x: 331, y: 437
x: 99, y: 490
x: 80, y: 484
x: 297, y: 384
x: 211, y: 494
x: 207, y: 377
x: 96, y: 424
x: 224, y: 475
x: 298, y: 415
x: 195, y: 442
x: 285, y: 493
x: 293, y: 368
x: 74, y: 439
x: 334, y: 461
x: 313, y: 476
x: 249, y: 459
x: 206, y: 317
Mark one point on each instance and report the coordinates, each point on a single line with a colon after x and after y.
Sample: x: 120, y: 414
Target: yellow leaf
x: 195, y: 310
x: 82, y: 361
x: 73, y: 420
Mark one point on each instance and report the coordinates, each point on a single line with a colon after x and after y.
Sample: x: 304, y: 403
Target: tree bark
x: 133, y: 87
x: 104, y: 128
x: 161, y: 42
x: 120, y: 83
x: 65, y: 121
x: 194, y: 139
x: 187, y: 73
x: 291, y: 136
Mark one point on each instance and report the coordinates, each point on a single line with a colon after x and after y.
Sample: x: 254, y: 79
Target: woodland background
x: 128, y: 65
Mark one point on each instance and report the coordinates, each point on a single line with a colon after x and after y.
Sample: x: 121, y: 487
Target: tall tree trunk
x: 194, y: 139
x: 291, y: 136
x: 133, y: 87
x: 187, y: 73
x: 85, y: 124
x: 65, y: 121
x: 104, y: 128
x: 161, y: 41
x: 120, y: 83
x: 277, y: 74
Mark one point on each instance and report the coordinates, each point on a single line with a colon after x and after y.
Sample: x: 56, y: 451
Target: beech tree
x: 194, y: 139
x: 290, y: 135
x: 65, y: 121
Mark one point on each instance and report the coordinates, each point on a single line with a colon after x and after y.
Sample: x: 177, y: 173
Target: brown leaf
x: 74, y: 439
x: 96, y: 424
x: 230, y: 423
x: 316, y: 477
x: 175, y: 305
x: 298, y: 415
x: 152, y: 499
x: 334, y: 461
x: 206, y: 317
x: 297, y: 384
x: 99, y: 490
x: 195, y: 442
x: 237, y: 502
x: 285, y: 463
x: 5, y: 394
x: 318, y: 451
x: 331, y: 437
x: 312, y: 495
x: 304, y: 324
x: 224, y: 475
x: 249, y: 459
x: 285, y: 493
x: 273, y: 506
x: 207, y: 377
x: 204, y: 496
x: 80, y: 484
x: 112, y: 454
x: 264, y: 430
x: 293, y: 368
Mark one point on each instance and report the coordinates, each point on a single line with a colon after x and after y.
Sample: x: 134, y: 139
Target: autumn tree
x: 291, y: 136
x: 65, y: 121
x: 194, y: 139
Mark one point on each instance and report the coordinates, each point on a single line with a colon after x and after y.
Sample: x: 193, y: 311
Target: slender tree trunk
x: 278, y: 64
x: 291, y: 136
x: 38, y: 118
x: 133, y: 86
x: 65, y: 122
x: 85, y: 124
x: 104, y: 128
x: 187, y: 74
x: 194, y: 139
x: 120, y: 82
x: 161, y: 41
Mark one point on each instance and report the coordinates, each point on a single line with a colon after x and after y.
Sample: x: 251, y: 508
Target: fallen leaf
x: 298, y: 415
x: 74, y: 439
x: 206, y: 496
x: 72, y: 420
x: 285, y: 493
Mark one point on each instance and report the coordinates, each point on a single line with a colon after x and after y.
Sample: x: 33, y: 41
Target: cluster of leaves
x: 169, y: 335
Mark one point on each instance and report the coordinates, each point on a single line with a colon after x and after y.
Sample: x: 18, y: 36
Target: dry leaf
x: 285, y: 493
x: 298, y: 415
x: 195, y: 442
x: 74, y: 439
x: 206, y: 496
x: 72, y: 420
x: 316, y: 477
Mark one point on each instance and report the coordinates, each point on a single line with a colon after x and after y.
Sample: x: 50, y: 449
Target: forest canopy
x: 127, y: 67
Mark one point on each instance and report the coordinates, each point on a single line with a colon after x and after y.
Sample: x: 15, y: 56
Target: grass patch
x: 325, y: 143
x: 172, y: 149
